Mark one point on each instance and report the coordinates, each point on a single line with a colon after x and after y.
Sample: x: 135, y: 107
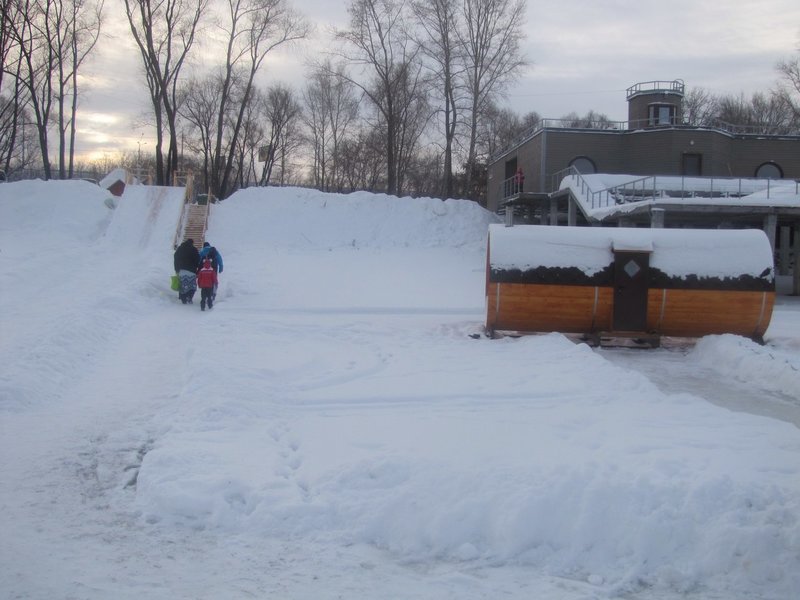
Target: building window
x: 661, y: 114
x: 769, y: 170
x: 584, y: 165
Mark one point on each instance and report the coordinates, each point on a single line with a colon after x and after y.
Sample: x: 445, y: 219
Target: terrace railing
x: 655, y: 187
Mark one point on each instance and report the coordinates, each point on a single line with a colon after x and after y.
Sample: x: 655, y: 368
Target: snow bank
x: 49, y: 214
x: 292, y: 218
x: 582, y: 472
x: 332, y: 404
x: 70, y: 256
x: 741, y: 359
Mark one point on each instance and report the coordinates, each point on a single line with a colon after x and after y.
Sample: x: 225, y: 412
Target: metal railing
x: 509, y: 188
x: 655, y: 187
x: 648, y: 87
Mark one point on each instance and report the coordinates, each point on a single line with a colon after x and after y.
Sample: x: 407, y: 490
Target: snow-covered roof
x: 676, y: 252
x: 601, y: 194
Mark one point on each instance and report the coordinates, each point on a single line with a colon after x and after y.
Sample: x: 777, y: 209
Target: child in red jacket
x: 206, y: 280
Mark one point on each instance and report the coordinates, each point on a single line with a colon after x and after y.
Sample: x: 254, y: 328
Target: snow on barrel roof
x: 676, y: 252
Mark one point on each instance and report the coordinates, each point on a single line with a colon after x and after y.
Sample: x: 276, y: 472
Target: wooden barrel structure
x: 629, y: 282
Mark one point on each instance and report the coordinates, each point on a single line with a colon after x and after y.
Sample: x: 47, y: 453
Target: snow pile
x: 611, y: 483
x: 47, y: 215
x: 291, y: 218
x: 741, y: 359
x: 68, y: 259
x: 331, y: 429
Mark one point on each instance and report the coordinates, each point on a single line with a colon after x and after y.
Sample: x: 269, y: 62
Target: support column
x: 771, y: 228
x: 785, y: 251
x: 509, y: 215
x: 796, y: 274
x: 572, y: 212
x: 657, y: 218
x: 553, y: 211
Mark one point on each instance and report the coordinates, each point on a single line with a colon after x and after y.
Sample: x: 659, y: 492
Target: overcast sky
x: 583, y: 55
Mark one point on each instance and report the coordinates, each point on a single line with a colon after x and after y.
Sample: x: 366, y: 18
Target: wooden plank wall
x: 588, y: 309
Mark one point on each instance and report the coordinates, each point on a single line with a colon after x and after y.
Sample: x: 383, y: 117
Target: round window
x: 769, y: 170
x: 584, y: 165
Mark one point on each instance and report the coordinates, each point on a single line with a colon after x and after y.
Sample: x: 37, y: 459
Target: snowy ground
x: 330, y: 430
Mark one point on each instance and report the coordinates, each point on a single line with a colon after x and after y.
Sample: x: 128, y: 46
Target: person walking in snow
x: 216, y: 260
x: 206, y: 281
x: 186, y: 261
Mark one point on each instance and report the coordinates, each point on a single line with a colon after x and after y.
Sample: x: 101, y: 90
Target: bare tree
x: 254, y: 29
x: 700, y: 107
x: 77, y: 37
x: 439, y: 21
x: 377, y: 43
x: 199, y: 107
x: 363, y: 160
x: 591, y: 120
x: 44, y: 43
x: 491, y: 44
x: 281, y: 110
x: 502, y: 127
x: 414, y: 113
x: 789, y: 88
x: 771, y: 115
x: 331, y: 109
x: 317, y: 125
x: 734, y: 110
x: 767, y: 114
x: 251, y: 136
x: 11, y: 106
x: 33, y: 63
x: 164, y: 31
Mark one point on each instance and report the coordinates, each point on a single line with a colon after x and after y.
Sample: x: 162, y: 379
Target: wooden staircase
x: 195, y: 219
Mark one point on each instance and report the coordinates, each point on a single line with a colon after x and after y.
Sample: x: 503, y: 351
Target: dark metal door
x: 692, y: 165
x: 630, y: 290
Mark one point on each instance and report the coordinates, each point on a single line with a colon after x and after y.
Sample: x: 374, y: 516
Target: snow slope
x: 330, y: 429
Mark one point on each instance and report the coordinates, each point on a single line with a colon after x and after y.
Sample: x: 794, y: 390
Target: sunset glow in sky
x: 583, y: 56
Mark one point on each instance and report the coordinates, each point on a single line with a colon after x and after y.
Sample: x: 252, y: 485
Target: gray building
x: 654, y: 141
x: 720, y: 162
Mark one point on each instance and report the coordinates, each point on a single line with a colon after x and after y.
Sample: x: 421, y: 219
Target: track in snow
x: 674, y: 372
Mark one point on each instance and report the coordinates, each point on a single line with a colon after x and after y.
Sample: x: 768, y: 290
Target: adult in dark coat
x: 186, y: 260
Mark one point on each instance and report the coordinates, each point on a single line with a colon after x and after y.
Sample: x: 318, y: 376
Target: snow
x: 676, y: 252
x: 596, y: 192
x: 332, y: 430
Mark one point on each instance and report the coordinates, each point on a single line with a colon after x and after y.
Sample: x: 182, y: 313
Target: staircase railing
x: 653, y: 187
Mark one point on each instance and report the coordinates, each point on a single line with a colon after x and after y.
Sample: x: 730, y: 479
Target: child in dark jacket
x: 206, y: 281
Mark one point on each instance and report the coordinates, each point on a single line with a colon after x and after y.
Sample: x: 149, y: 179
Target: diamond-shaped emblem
x: 632, y: 268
